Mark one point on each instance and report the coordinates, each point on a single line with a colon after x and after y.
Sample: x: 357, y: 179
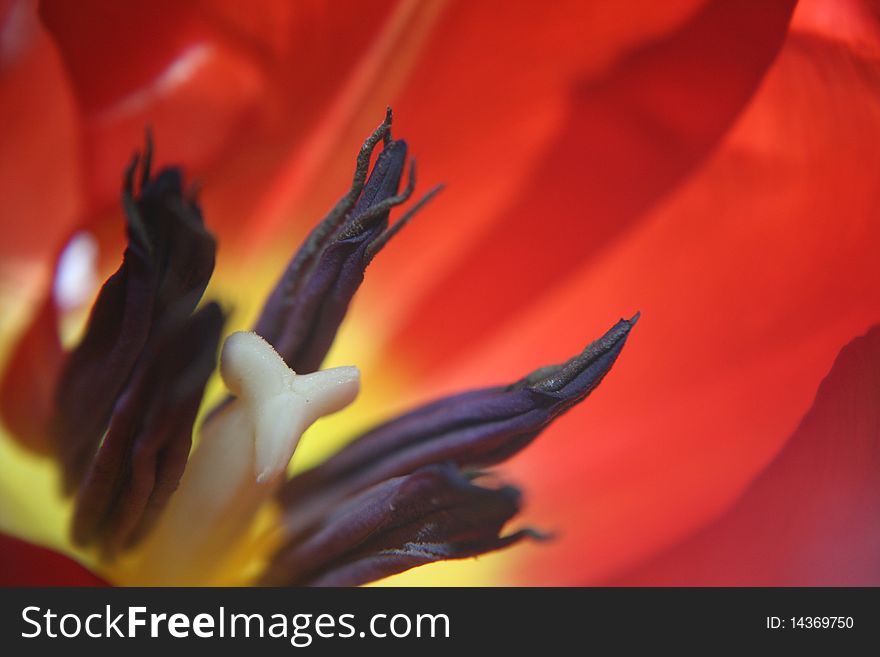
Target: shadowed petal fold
x: 633, y: 131
x: 432, y: 514
x: 811, y: 517
x: 168, y: 261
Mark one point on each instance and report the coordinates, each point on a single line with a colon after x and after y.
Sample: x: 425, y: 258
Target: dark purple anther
x: 305, y: 310
x: 433, y: 514
x: 143, y: 456
x: 474, y: 429
x: 168, y: 261
x: 403, y: 494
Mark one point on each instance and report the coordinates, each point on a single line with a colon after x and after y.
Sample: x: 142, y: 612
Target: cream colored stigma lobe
x: 280, y: 404
x: 239, y: 461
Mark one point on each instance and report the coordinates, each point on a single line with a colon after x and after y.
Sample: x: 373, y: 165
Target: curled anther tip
x: 374, y: 206
x: 382, y: 131
x: 589, y: 366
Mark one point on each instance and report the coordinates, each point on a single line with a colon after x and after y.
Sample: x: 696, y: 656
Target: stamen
x: 240, y: 460
x: 144, y: 453
x: 472, y: 429
x: 320, y: 234
x: 304, y: 312
x: 365, y: 220
x: 433, y: 514
x: 167, y: 264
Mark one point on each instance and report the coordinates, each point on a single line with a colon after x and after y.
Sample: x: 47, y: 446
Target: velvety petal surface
x: 626, y: 134
x: 811, y: 517
x: 746, y: 238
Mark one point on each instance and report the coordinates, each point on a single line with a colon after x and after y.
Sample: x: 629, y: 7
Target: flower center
x: 239, y: 462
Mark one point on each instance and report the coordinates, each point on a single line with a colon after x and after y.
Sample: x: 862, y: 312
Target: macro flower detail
x: 434, y: 513
x: 307, y: 306
x: 151, y: 508
x: 711, y: 163
x: 474, y: 429
x: 164, y: 271
x: 143, y: 454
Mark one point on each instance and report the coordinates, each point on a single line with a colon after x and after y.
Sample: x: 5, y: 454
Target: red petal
x: 112, y: 48
x: 157, y: 63
x: 228, y: 89
x: 749, y: 280
x: 630, y: 134
x: 811, y: 517
x: 478, y: 94
x: 25, y: 564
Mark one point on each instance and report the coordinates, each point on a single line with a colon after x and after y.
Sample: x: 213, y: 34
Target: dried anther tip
x: 555, y: 378
x: 307, y: 306
x: 373, y: 208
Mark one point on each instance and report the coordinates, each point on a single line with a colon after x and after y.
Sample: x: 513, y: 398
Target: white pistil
x: 240, y: 460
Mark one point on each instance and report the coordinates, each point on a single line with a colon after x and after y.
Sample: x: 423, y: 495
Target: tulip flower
x: 709, y: 163
x: 124, y: 402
